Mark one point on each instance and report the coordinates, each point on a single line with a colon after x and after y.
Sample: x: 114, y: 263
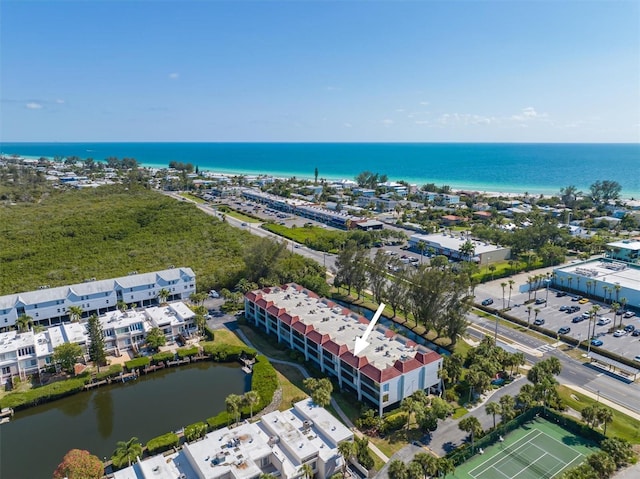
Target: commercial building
x: 280, y: 443
x: 390, y: 369
x: 47, y: 306
x: 626, y: 250
x: 449, y: 245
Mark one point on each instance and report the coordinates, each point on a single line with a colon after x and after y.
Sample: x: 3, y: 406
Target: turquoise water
x: 506, y: 167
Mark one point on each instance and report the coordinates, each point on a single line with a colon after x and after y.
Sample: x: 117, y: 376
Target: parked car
x: 636, y: 332
x: 637, y: 358
x: 539, y: 322
x: 560, y: 294
x: 629, y: 328
x: 596, y: 342
x: 619, y: 333
x: 576, y: 298
x: 213, y: 294
x: 564, y: 330
x: 583, y: 301
x: 577, y: 319
x: 603, y: 321
x: 564, y: 308
x: 540, y: 300
x: 629, y: 314
x: 487, y: 302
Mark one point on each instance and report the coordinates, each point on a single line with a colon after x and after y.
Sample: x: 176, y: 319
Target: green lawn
x: 191, y: 197
x: 237, y: 215
x: 263, y: 343
x: 623, y: 426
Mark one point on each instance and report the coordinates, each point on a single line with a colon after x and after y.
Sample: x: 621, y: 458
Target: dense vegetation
x: 109, y: 231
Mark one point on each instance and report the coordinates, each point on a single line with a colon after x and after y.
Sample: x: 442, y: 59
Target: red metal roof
x: 427, y: 357
x: 354, y: 361
x: 302, y: 328
x: 317, y: 338
x: 335, y: 348
x: 407, y: 365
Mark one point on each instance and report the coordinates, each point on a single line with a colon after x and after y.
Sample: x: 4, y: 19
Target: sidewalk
x: 604, y: 401
x: 304, y: 372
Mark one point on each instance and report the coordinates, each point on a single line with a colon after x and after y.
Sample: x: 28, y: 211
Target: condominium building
x: 390, y: 369
x: 27, y: 353
x: 47, y: 306
x: 280, y: 443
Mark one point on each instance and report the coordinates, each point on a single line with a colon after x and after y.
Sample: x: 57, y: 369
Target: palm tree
x: 503, y: 285
x: 251, y: 398
x: 536, y: 311
x: 529, y: 308
x: 397, y: 470
x: 507, y: 408
x: 511, y: 283
x: 605, y: 416
x: 410, y: 406
x: 471, y: 425
x: 617, y: 288
x: 75, y: 313
x: 492, y: 269
x: 127, y: 451
x: 445, y: 466
x: 163, y: 294
x: 623, y: 303
x: 233, y: 402
x: 347, y: 450
x: 493, y: 408
x: 427, y: 462
x: 122, y: 306
x: 421, y: 247
x: 24, y: 322
x: 307, y: 471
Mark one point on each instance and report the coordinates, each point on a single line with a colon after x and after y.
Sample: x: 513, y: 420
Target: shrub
x: 186, y: 352
x: 137, y: 363
x: 226, y: 352
x: 218, y: 421
x: 113, y: 370
x: 160, y: 357
x: 195, y: 431
x: 394, y: 422
x: 162, y: 443
x: 264, y: 381
x: 209, y: 334
x: 32, y: 397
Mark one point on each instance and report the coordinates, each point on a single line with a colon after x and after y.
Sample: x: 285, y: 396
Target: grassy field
x: 191, y: 197
x: 237, y: 215
x: 227, y: 337
x: 623, y: 426
x: 263, y: 344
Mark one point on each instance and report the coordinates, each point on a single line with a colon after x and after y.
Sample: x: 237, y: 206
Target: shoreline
x: 491, y: 190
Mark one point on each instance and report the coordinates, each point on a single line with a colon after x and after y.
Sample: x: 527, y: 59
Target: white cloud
x: 424, y: 103
x: 387, y: 122
x: 529, y: 113
x: 59, y: 101
x: 174, y: 76
x: 466, y: 119
x: 32, y: 105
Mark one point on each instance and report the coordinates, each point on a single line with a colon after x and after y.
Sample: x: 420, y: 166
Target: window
x: 385, y: 387
x: 6, y: 370
x: 385, y: 397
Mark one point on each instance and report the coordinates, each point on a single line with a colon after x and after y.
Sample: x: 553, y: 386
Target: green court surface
x: 537, y: 450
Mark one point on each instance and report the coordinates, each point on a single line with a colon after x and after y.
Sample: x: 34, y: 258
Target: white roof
x: 631, y: 244
x: 453, y: 243
x: 612, y: 272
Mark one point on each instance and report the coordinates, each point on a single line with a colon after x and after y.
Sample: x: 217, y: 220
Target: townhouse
x: 390, y: 369
x: 49, y: 306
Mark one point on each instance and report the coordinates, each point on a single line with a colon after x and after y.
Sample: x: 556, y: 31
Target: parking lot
x: 561, y: 312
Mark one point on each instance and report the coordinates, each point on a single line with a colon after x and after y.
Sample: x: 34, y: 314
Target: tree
x: 79, y: 464
x: 377, y: 274
x: 583, y: 471
x: 163, y: 294
x: 507, y: 408
x: 620, y: 450
x: 511, y: 283
x: 315, y: 174
x: 233, y: 403
x: 126, y: 451
x: 321, y: 390
x: 397, y: 470
x: 471, y: 425
x: 96, y: 341
x: 605, y: 416
x: 66, y: 355
x: 409, y: 406
x: 445, y: 466
x: 602, y: 463
x: 493, y: 408
x: 414, y: 471
x: 307, y: 471
x: 155, y: 338
x: 75, y: 313
x: 427, y: 462
x: 23, y: 323
x: 503, y: 285
x: 467, y: 249
x: 122, y: 306
x: 251, y: 398
x: 347, y: 450
x: 569, y: 195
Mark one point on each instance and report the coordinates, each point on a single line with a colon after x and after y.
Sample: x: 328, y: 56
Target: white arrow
x: 362, y: 342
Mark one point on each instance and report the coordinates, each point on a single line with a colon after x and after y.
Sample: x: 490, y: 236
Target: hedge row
x: 195, y: 431
x: 162, y: 443
x: 187, y: 352
x: 138, y: 363
x: 208, y: 332
x: 264, y: 381
x: 161, y: 357
x: 227, y: 352
x: 33, y: 397
x: 113, y: 370
x: 552, y: 334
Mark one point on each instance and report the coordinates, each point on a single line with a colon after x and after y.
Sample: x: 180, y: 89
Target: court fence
x: 464, y: 452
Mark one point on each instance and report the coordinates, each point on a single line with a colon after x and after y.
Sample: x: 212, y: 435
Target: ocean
x: 501, y: 167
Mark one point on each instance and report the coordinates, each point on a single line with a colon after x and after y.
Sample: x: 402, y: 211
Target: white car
x: 603, y: 321
x: 213, y: 294
x: 619, y: 332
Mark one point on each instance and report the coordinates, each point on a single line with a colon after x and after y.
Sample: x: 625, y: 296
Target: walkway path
x: 305, y: 373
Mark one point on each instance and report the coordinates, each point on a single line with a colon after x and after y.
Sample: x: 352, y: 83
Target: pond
x: 35, y: 441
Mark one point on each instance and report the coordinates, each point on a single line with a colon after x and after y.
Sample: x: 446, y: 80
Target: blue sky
x: 421, y: 71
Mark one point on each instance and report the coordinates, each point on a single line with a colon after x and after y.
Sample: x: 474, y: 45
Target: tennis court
x: 537, y: 450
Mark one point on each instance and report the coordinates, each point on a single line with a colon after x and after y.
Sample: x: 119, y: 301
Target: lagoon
x: 36, y: 439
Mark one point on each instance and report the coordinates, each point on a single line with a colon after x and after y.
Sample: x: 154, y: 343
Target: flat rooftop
x: 612, y: 272
x: 632, y: 244
x: 454, y: 242
x: 344, y: 326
